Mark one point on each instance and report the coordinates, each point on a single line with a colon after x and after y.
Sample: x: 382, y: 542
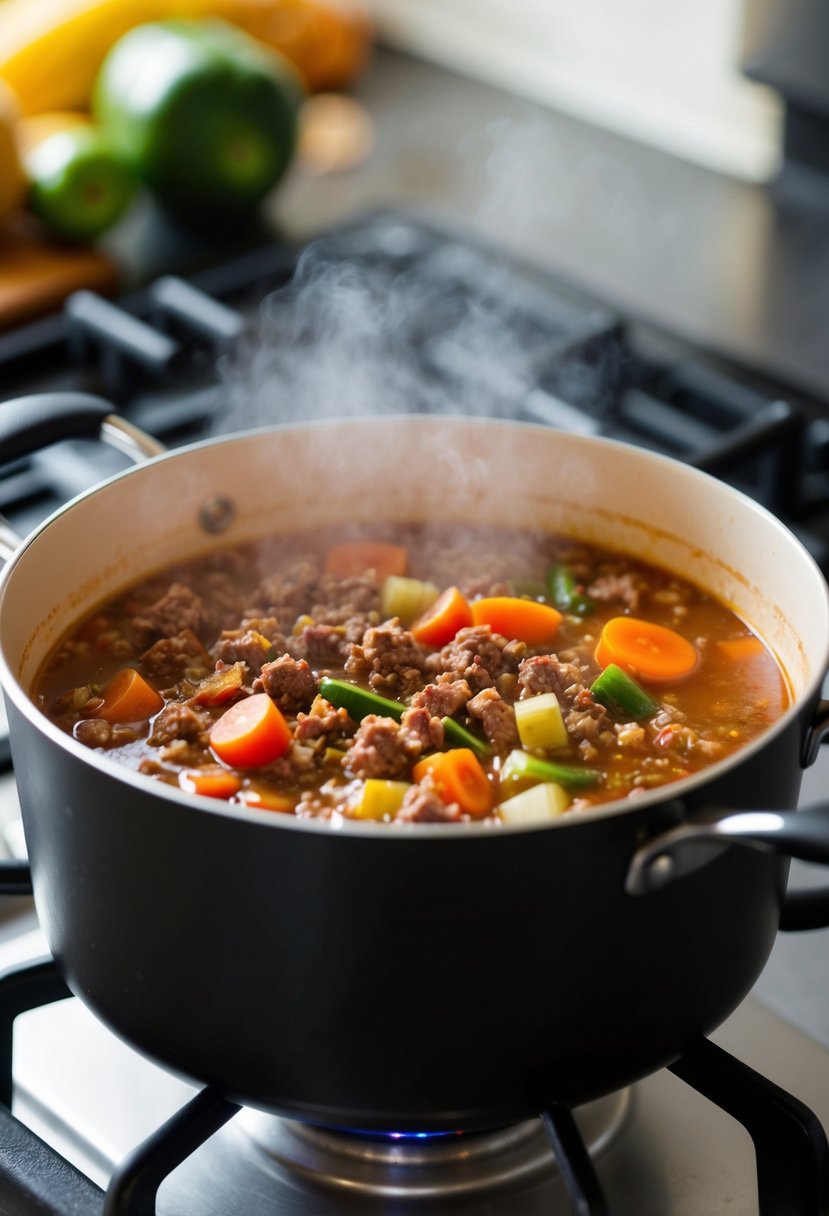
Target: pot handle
x: 686, y: 848
x: 29, y: 424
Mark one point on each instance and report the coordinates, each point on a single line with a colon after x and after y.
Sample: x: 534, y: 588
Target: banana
x: 51, y: 50
x: 12, y: 182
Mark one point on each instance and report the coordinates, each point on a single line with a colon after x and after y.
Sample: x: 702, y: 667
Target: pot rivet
x: 660, y: 871
x: 217, y: 513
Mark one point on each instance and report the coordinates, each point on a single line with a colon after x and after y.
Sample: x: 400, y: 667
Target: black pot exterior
x: 392, y: 981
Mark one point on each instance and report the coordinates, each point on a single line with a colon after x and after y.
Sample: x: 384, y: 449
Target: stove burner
x: 426, y: 1166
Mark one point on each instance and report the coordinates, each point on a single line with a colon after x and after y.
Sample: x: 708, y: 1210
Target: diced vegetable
x: 540, y: 722
x: 621, y: 695
x: 380, y: 799
x: 406, y: 598
x: 439, y: 624
x: 741, y: 650
x: 538, y: 804
x: 251, y: 733
x: 357, y: 702
x: 263, y: 798
x: 458, y: 736
x: 520, y: 766
x: 512, y: 617
x: 360, y: 556
x: 645, y: 650
x: 212, y: 781
x: 458, y: 777
x: 221, y: 686
x: 565, y: 593
x: 128, y: 698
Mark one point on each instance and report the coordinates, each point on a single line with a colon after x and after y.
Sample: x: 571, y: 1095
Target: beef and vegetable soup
x: 430, y: 674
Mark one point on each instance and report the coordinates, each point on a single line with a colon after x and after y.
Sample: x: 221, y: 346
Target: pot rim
x: 14, y: 691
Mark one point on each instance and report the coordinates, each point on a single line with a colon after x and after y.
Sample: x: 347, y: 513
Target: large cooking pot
x: 411, y: 977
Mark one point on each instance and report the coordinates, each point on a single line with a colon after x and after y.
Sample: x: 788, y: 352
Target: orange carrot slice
x: 251, y: 733
x: 458, y: 777
x: 212, y: 781
x: 359, y: 556
x: 129, y: 698
x: 439, y: 624
x: 645, y: 650
x: 520, y: 619
x: 739, y: 650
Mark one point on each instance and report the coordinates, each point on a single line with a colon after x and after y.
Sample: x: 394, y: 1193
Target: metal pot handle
x: 28, y: 424
x: 684, y: 849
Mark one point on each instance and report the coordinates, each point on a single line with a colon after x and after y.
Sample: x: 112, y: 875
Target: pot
x: 427, y: 977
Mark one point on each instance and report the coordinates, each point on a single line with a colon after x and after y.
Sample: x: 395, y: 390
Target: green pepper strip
x: 562, y: 584
x: 621, y: 695
x: 459, y: 736
x: 358, y: 701
x: 521, y: 765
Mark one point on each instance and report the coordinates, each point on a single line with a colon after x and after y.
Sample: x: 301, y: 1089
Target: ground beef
x: 422, y: 730
x: 247, y: 646
x: 178, y: 609
x: 298, y: 762
x: 547, y: 673
x: 479, y: 656
x: 422, y: 805
x: 289, y: 682
x: 178, y: 721
x: 389, y: 659
x: 626, y: 589
x: 323, y: 719
x: 588, y: 720
x: 93, y: 732
x: 323, y: 646
x: 287, y: 593
x: 497, y: 718
x: 345, y: 597
x: 445, y: 697
x: 169, y: 658
x: 387, y: 749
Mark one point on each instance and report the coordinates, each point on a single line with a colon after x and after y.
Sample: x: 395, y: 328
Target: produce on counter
x: 276, y: 662
x: 12, y: 184
x: 76, y: 186
x: 200, y: 112
x: 51, y: 50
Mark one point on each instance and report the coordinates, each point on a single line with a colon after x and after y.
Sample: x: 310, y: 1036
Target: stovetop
x: 394, y: 314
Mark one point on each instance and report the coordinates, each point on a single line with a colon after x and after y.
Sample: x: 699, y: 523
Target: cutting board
x: 36, y: 274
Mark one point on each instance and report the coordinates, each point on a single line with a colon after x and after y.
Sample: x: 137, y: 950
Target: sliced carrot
x: 458, y: 777
x: 645, y: 650
x: 360, y: 556
x: 439, y: 624
x: 212, y: 781
x: 251, y: 733
x: 513, y: 617
x: 741, y: 649
x: 128, y: 698
x: 265, y: 799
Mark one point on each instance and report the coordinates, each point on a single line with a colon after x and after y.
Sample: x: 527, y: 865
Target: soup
x: 430, y: 674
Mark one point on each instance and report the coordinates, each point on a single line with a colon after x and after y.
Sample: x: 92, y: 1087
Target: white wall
x: 663, y: 71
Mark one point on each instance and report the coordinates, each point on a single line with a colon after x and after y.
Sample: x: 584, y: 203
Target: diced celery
x: 538, y: 804
x: 540, y: 722
x: 521, y: 767
x: 380, y: 799
x: 407, y: 598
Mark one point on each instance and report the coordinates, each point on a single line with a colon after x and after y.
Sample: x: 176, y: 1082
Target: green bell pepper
x: 201, y: 112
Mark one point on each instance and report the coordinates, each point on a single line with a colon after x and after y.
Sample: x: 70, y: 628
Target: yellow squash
x: 51, y: 50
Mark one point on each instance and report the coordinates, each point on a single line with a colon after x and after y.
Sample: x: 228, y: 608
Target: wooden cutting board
x: 36, y: 275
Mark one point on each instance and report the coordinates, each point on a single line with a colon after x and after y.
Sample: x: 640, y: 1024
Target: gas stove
x: 392, y: 313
